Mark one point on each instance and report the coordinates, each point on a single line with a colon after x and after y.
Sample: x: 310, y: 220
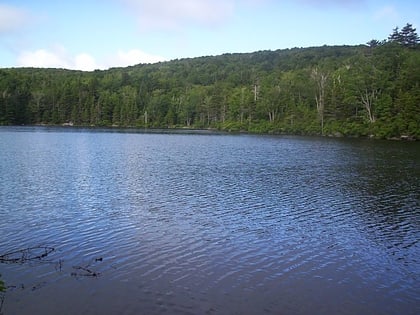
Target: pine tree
x: 373, y: 43
x: 395, y: 36
x: 406, y: 37
x: 409, y: 36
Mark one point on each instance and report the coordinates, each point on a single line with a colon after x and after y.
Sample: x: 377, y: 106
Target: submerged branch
x: 27, y: 254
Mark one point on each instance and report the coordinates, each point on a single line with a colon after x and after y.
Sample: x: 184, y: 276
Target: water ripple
x: 218, y: 224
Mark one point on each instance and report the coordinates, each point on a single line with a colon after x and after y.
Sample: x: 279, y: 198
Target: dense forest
x: 366, y: 90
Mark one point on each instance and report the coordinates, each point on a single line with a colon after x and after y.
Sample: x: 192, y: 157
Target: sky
x: 100, y: 34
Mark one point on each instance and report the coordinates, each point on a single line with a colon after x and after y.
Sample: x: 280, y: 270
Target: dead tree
x: 368, y: 97
x: 320, y: 79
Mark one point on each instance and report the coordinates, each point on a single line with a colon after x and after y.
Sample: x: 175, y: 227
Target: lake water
x: 125, y: 222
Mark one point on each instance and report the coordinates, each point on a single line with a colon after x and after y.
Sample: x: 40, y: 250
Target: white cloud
x: 43, y: 58
x: 170, y: 14
x: 58, y: 57
x: 85, y: 62
x: 12, y: 18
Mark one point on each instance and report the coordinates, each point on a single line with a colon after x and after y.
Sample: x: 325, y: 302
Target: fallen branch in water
x: 86, y: 271
x: 27, y: 254
x: 39, y: 254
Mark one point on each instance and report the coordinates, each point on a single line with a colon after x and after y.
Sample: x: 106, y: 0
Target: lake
x: 106, y: 221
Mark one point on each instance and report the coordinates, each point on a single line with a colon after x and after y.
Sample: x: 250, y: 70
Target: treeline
x: 361, y: 90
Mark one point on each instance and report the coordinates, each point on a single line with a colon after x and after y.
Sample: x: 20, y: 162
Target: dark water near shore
x: 208, y: 223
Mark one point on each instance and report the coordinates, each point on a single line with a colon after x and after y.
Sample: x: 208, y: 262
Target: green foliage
x: 406, y: 37
x: 369, y: 90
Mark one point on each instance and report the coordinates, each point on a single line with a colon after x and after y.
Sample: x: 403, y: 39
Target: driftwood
x: 21, y: 256
x: 86, y: 271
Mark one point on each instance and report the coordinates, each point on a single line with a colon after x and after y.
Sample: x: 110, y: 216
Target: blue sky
x: 98, y: 34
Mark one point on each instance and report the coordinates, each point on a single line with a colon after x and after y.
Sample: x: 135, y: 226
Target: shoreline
x: 210, y: 130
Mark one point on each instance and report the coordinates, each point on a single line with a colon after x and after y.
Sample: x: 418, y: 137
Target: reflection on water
x: 208, y: 223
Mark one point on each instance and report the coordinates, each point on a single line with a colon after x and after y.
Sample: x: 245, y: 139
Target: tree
x: 368, y: 97
x: 374, y: 43
x: 275, y: 95
x: 406, y: 37
x: 320, y: 79
x: 395, y: 36
x: 263, y: 91
x: 409, y: 36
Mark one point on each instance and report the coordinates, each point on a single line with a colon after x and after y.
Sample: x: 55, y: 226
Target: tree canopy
x: 359, y: 90
x: 406, y: 37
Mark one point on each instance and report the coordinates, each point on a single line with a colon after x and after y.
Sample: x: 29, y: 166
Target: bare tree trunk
x: 367, y: 100
x: 272, y: 115
x: 224, y: 110
x: 321, y: 82
x: 255, y: 92
x: 242, y: 107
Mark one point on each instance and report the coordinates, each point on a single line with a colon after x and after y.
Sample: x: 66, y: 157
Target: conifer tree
x: 406, y: 37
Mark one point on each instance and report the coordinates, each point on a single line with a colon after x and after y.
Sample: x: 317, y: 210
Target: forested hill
x: 332, y: 90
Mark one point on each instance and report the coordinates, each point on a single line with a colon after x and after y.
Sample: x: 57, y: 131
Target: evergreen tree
x: 409, y: 36
x: 406, y: 37
x: 352, y: 90
x: 395, y: 37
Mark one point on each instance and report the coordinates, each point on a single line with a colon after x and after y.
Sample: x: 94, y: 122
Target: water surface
x: 203, y: 223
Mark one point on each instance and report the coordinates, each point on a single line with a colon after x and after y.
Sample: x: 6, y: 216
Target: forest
x: 369, y: 90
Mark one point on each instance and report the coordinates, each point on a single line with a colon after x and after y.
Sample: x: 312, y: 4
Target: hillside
x: 340, y: 90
